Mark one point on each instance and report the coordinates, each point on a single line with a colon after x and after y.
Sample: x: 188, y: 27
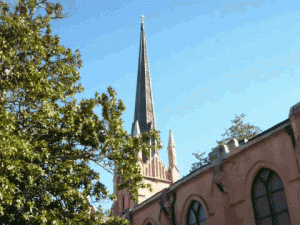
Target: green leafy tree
x: 47, y: 139
x: 202, y: 161
x: 238, y: 130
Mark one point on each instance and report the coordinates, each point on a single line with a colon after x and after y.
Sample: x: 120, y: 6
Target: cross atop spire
x: 143, y: 17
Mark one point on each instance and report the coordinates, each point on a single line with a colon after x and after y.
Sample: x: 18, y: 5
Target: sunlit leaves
x: 47, y: 139
x: 239, y: 130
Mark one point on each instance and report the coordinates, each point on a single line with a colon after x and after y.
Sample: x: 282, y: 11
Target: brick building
x: 254, y: 181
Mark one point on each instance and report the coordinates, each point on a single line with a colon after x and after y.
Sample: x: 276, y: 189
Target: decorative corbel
x: 169, y: 211
x: 217, y: 172
x: 289, y: 131
x: 216, y: 158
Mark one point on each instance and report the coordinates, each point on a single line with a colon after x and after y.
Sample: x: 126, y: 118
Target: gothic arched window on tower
x: 123, y: 202
x: 268, y: 199
x: 196, y: 214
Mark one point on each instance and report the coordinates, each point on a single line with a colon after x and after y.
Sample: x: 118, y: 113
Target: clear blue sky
x: 209, y: 60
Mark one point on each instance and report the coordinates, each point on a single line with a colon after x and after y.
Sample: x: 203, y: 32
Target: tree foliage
x: 202, y: 161
x: 47, y: 139
x: 238, y: 130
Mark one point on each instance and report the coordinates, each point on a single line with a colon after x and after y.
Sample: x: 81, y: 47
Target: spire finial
x: 143, y: 17
x: 171, y: 140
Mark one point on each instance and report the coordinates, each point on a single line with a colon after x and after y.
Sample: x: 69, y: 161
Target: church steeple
x: 152, y: 168
x: 144, y: 107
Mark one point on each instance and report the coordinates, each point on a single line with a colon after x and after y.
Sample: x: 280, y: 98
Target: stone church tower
x: 153, y: 169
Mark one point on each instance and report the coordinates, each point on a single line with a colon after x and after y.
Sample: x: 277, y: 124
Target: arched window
x: 196, y: 214
x: 268, y: 199
x: 128, y: 199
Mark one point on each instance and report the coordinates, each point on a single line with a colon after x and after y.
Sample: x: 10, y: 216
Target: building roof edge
x: 207, y: 167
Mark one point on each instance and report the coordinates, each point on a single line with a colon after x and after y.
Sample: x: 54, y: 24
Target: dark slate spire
x: 144, y: 108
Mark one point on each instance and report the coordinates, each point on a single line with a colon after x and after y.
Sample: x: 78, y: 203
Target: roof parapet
x: 217, y: 154
x: 220, y: 152
x: 244, y: 141
x: 233, y: 144
x: 294, y: 109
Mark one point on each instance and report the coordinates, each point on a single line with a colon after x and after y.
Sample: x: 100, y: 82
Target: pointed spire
x: 136, y: 133
x: 174, y: 173
x: 171, y: 151
x: 144, y: 107
x: 136, y: 129
x: 171, y: 143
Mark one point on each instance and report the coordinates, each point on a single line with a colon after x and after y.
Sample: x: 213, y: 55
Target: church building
x: 153, y: 169
x: 254, y: 181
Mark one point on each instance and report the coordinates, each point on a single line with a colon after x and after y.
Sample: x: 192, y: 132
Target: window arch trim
x: 149, y: 220
x: 251, y: 169
x: 195, y: 209
x: 267, y: 195
x: 186, y: 205
x: 254, y: 169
